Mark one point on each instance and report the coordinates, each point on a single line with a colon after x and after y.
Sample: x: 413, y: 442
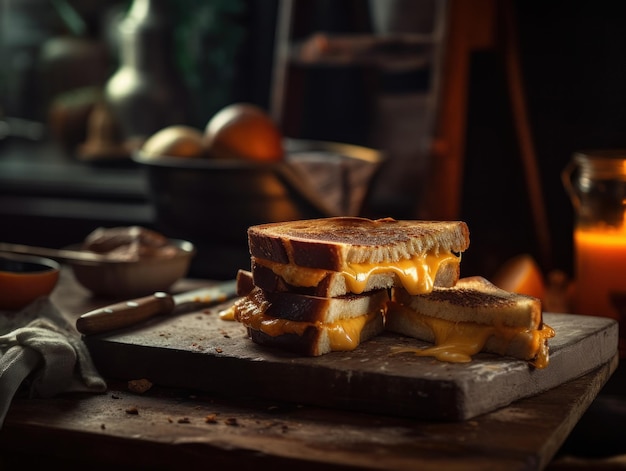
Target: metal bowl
x: 24, y: 278
x: 124, y: 279
x: 213, y: 202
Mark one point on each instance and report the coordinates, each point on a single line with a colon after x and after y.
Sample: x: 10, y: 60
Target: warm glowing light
x: 600, y: 269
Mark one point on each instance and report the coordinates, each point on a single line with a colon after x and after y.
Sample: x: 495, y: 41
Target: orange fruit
x: 176, y: 141
x: 243, y: 131
x: 522, y: 275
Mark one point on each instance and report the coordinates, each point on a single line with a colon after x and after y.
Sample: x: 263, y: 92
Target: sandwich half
x: 471, y: 317
x: 310, y: 325
x: 331, y: 257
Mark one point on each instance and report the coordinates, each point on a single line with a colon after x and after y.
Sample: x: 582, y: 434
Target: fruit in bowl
x: 239, y: 131
x: 243, y: 131
x: 176, y: 141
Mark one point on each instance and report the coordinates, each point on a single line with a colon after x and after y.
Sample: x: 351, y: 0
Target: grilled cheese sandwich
x: 329, y: 284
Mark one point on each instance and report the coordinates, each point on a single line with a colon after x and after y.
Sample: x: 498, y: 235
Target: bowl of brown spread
x: 136, y: 261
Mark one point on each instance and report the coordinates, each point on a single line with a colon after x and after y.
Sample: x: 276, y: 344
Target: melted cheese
x: 416, y: 274
x: 457, y: 342
x: 228, y: 314
x: 344, y: 335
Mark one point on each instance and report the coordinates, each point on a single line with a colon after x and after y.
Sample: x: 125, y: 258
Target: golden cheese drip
x: 543, y: 355
x: 228, y: 314
x: 346, y: 335
x: 416, y: 274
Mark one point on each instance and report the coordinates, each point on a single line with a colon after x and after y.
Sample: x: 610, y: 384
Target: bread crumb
x: 139, y: 386
x: 184, y: 420
x: 211, y: 419
x: 231, y: 421
x: 132, y: 411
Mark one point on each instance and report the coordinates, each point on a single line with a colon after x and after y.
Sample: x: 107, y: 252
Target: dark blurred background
x: 58, y: 56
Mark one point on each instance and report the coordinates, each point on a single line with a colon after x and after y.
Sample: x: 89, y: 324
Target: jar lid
x: 602, y: 163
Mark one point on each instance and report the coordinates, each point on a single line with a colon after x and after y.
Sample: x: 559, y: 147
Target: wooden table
x: 166, y: 428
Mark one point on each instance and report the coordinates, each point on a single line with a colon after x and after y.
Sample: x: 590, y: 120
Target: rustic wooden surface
x: 201, y: 351
x: 168, y: 428
x: 174, y: 428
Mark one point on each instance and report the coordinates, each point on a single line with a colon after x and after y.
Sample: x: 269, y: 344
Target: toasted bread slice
x: 350, y: 251
x: 473, y: 316
x: 476, y: 299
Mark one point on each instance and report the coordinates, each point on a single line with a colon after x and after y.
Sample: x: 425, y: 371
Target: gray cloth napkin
x: 38, y: 344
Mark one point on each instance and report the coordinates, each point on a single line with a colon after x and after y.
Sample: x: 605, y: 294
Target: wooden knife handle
x: 125, y: 313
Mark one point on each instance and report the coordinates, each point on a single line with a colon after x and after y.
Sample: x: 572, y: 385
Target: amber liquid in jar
x: 596, y: 183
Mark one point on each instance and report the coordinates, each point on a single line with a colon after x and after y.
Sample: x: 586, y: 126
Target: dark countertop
x: 169, y: 428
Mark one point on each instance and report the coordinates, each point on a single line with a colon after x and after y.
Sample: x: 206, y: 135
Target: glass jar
x: 596, y: 184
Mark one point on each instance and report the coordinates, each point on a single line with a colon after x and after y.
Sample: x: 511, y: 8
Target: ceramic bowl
x: 24, y: 278
x: 124, y: 279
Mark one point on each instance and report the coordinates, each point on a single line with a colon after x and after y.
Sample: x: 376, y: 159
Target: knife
x: 127, y: 313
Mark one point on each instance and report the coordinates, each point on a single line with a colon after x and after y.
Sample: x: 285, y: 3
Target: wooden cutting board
x: 203, y: 352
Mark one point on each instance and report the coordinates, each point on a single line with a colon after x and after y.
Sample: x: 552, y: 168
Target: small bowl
x: 124, y: 279
x: 24, y: 278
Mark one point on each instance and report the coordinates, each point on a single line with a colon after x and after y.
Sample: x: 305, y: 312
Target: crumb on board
x: 132, y: 411
x: 139, y: 386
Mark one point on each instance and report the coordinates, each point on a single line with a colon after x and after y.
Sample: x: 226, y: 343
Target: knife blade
x: 134, y: 311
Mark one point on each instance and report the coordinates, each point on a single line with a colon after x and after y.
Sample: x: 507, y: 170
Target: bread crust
x: 331, y: 243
